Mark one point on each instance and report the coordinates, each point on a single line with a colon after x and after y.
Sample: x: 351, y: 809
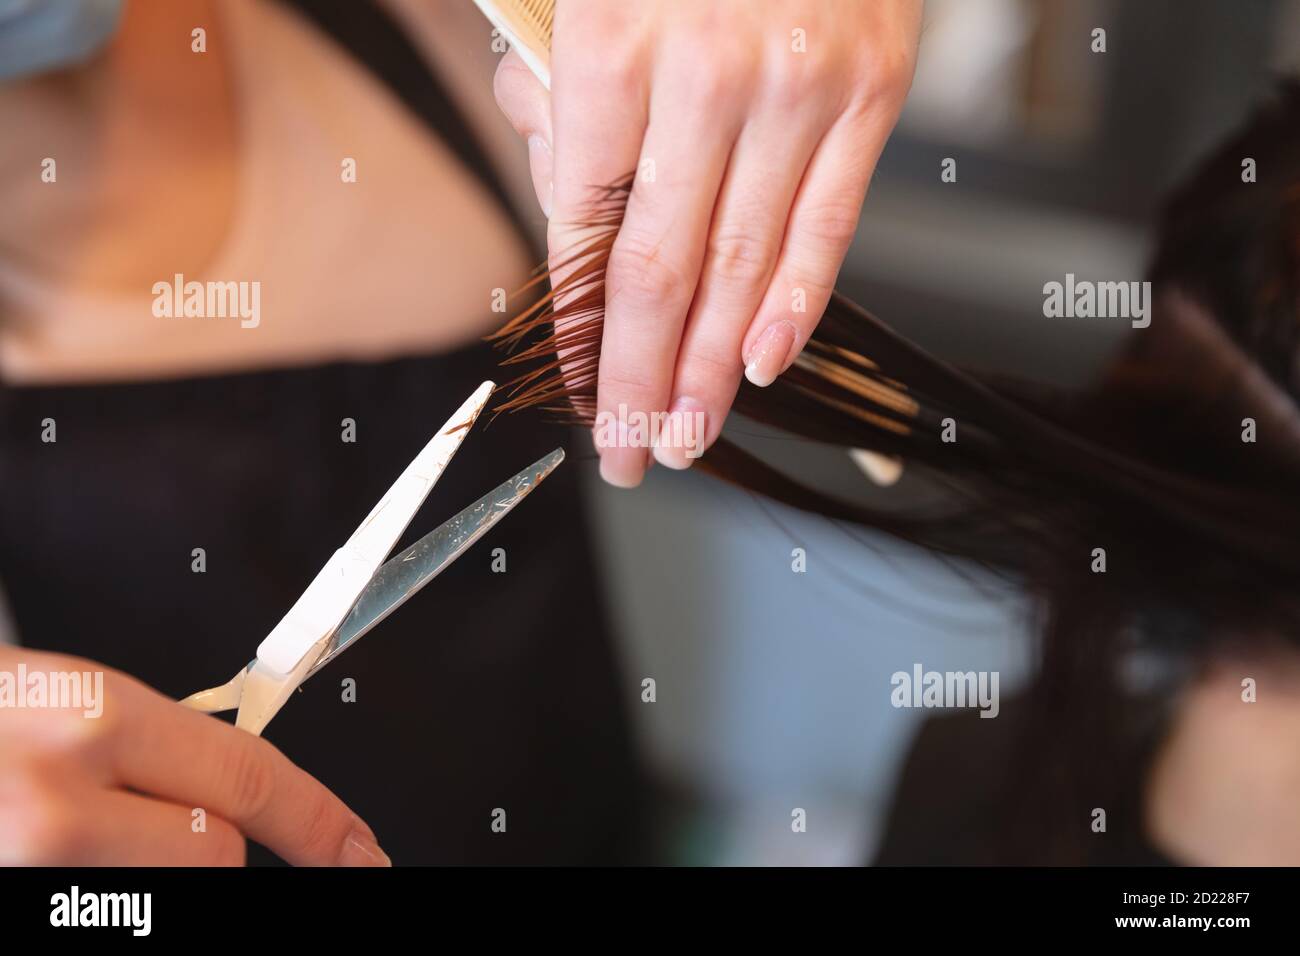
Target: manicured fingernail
x: 622, y: 467
x: 770, y: 353
x: 624, y: 452
x: 884, y: 470
x: 361, y: 850
x: 541, y: 164
x: 681, y: 439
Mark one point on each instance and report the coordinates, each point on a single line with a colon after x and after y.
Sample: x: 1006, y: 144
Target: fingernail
x: 361, y: 850
x: 770, y: 353
x: 884, y: 470
x: 681, y: 439
x: 623, y: 467
x: 541, y: 164
x: 624, y: 451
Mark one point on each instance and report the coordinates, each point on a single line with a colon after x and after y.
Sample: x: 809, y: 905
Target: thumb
x: 527, y: 105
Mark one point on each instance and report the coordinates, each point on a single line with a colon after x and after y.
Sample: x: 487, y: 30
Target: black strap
x: 367, y: 32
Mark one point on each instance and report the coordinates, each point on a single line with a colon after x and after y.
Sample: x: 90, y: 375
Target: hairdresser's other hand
x: 753, y: 129
x: 122, y: 788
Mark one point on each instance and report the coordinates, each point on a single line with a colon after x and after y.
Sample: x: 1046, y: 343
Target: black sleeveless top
x: 487, y: 690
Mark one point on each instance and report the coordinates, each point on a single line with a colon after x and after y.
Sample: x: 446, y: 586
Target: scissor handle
x: 215, y: 700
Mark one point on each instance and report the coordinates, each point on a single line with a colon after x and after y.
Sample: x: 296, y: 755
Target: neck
x: 142, y: 139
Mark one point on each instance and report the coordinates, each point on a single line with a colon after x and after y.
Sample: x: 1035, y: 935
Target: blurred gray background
x: 773, y: 686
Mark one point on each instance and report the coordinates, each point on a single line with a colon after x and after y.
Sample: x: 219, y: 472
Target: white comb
x: 526, y: 25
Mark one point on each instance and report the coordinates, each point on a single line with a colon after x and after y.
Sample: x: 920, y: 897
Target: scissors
x: 355, y: 590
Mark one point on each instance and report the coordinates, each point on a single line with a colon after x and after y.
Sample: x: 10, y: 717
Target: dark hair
x: 1201, y: 528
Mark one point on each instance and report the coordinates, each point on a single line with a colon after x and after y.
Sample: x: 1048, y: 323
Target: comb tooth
x: 535, y: 15
x: 541, y: 14
x: 526, y: 26
x: 529, y: 20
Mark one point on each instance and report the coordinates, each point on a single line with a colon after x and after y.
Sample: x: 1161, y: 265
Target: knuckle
x: 615, y: 74
x: 712, y: 363
x: 890, y: 70
x: 619, y: 385
x: 829, y: 223
x: 791, y: 77
x: 87, y: 738
x: 740, y: 257
x: 600, y: 39
x: 639, y: 270
x: 52, y: 738
x: 76, y: 728
x: 717, y: 81
x: 621, y: 76
x: 110, y: 722
x: 785, y: 97
x: 884, y: 77
x: 251, y: 781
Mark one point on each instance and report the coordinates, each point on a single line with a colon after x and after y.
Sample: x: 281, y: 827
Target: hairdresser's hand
x: 754, y: 129
x: 121, y: 788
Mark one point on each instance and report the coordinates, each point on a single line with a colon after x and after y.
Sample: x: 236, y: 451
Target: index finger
x: 599, y: 108
x: 173, y: 752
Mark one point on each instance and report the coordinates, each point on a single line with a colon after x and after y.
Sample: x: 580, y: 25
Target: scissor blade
x: 423, y: 561
x: 341, y: 581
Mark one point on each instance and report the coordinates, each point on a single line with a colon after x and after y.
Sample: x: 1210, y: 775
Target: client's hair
x: 1201, y: 528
